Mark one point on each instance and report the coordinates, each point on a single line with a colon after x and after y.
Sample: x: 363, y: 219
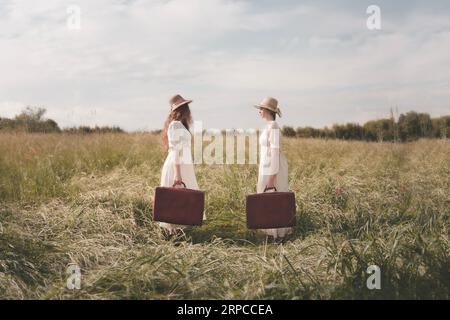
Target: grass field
x: 88, y: 200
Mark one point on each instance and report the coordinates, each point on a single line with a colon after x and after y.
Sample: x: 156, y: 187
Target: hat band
x: 269, y: 107
x: 277, y: 110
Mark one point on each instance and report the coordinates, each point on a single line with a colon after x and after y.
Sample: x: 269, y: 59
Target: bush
x: 288, y: 131
x: 31, y: 120
x: 96, y: 129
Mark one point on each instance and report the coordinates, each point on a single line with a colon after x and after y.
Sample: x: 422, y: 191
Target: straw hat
x: 177, y: 101
x: 271, y: 104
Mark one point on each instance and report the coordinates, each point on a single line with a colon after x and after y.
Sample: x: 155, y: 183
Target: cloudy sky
x: 129, y: 56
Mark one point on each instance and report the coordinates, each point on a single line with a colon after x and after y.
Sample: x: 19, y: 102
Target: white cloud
x: 130, y: 56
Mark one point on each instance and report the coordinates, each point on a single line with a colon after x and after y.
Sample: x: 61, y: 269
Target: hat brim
x: 278, y: 111
x: 181, y: 104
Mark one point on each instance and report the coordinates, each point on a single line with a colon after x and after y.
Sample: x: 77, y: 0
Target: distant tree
x: 288, y: 131
x: 445, y: 127
x: 326, y: 133
x: 378, y: 130
x: 409, y: 126
x: 440, y: 127
x: 339, y: 131
x: 354, y: 131
x: 50, y: 125
x: 6, y: 123
x: 307, y: 132
x: 96, y: 129
x: 31, y: 119
x: 425, y: 125
x: 394, y: 127
x: 31, y: 114
x: 370, y: 130
x: 385, y: 130
x: 348, y: 131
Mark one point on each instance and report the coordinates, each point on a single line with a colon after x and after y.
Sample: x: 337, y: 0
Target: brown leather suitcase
x: 270, y: 210
x: 178, y: 206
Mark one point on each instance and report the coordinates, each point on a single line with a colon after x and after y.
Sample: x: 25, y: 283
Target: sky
x: 128, y: 57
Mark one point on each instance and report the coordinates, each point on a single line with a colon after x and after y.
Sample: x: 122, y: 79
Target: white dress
x: 272, y: 161
x: 179, y: 139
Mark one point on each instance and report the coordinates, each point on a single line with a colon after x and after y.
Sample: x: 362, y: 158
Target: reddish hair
x: 183, y: 114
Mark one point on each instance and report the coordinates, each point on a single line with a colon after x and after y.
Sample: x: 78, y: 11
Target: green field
x: 87, y: 199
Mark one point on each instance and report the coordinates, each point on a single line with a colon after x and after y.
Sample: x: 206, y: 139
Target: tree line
x: 409, y: 126
x: 32, y: 120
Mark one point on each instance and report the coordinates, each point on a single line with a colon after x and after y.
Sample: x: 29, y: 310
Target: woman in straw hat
x: 273, y: 166
x: 176, y: 139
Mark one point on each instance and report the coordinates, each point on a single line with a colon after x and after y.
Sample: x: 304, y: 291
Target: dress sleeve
x: 274, y: 144
x: 175, y: 137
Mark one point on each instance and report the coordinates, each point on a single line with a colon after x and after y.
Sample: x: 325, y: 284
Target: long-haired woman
x: 178, y: 169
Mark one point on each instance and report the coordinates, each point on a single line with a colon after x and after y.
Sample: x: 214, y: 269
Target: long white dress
x: 179, y: 139
x: 272, y: 161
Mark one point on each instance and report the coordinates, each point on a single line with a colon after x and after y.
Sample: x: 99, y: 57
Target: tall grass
x: 40, y: 166
x: 88, y: 200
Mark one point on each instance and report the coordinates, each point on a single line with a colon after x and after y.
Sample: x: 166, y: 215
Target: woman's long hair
x: 182, y: 114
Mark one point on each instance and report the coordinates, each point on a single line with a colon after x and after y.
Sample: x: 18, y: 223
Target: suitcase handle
x: 178, y: 183
x: 271, y: 188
